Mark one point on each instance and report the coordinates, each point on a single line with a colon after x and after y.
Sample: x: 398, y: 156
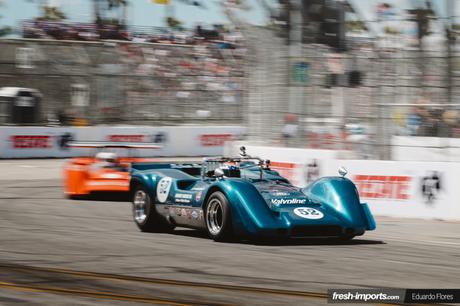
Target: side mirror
x: 342, y: 171
x: 219, y: 173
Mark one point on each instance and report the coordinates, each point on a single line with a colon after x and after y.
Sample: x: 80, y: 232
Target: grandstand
x: 129, y: 82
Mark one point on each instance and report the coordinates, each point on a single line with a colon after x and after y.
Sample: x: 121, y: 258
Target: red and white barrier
x: 42, y: 142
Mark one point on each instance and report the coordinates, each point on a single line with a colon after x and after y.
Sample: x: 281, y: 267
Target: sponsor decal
x: 198, y: 196
x: 215, y: 140
x: 431, y: 186
x: 163, y: 187
x: 159, y: 137
x: 195, y: 214
x: 183, y: 212
x: 308, y: 213
x: 280, y: 194
x: 182, y: 201
x: 31, y: 141
x: 183, y: 197
x: 383, y: 186
x: 288, y: 201
x: 126, y: 138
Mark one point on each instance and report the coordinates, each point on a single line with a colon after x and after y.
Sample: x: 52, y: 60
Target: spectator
x: 63, y: 117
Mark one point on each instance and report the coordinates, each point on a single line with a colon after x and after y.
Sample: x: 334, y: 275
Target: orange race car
x: 106, y: 171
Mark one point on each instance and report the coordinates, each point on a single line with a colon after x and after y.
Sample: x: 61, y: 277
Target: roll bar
x: 263, y: 164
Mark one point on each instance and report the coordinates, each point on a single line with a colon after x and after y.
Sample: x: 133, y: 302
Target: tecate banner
x: 43, y: 142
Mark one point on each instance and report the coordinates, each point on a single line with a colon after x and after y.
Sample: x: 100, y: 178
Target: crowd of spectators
x: 208, y: 74
x: 61, y: 30
x: 425, y: 120
x: 199, y: 74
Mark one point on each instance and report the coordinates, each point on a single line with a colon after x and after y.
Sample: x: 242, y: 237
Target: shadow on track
x: 103, y: 196
x: 280, y: 242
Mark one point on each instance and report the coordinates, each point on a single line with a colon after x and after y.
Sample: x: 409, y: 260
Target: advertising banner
x: 40, y: 142
x: 45, y: 142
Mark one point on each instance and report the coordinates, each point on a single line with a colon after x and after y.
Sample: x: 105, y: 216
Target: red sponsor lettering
x: 383, y: 187
x: 215, y: 140
x: 31, y: 141
x: 126, y: 138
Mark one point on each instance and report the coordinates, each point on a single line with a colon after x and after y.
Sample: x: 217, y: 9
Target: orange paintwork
x: 82, y: 175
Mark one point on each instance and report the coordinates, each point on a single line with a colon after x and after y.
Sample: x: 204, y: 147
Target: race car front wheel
x: 218, y: 218
x: 144, y: 214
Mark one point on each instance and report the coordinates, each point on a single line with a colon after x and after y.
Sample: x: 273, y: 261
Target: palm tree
x: 49, y: 12
x: 4, y: 30
x: 173, y: 23
x: 422, y: 15
x: 355, y: 26
x: 52, y: 13
x: 102, y: 6
x: 122, y: 6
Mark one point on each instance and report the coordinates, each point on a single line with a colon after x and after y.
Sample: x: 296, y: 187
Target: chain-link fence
x: 309, y: 96
x: 128, y: 83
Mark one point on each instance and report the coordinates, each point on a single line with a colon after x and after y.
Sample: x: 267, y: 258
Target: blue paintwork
x: 258, y: 207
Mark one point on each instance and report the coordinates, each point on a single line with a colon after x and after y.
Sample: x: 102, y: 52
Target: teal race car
x: 242, y: 197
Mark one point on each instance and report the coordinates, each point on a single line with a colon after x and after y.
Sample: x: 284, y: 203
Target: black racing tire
x: 144, y: 214
x: 218, y: 217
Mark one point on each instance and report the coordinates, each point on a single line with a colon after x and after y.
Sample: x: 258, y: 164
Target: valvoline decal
x: 288, y: 201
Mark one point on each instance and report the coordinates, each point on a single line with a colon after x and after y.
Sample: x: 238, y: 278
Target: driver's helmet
x: 231, y: 170
x: 108, y: 157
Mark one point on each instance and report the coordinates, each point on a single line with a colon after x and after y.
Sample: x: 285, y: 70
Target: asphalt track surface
x: 55, y: 251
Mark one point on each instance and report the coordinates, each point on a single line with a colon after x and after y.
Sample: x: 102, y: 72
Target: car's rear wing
x: 107, y: 144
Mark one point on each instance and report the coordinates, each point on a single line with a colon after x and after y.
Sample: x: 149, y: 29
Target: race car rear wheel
x: 218, y: 218
x: 144, y: 214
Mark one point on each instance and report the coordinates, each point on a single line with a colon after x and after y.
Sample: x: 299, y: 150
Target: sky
x: 145, y: 13
x: 140, y: 12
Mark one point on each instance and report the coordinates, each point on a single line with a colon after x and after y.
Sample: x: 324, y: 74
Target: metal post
x: 450, y: 6
x: 295, y: 52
